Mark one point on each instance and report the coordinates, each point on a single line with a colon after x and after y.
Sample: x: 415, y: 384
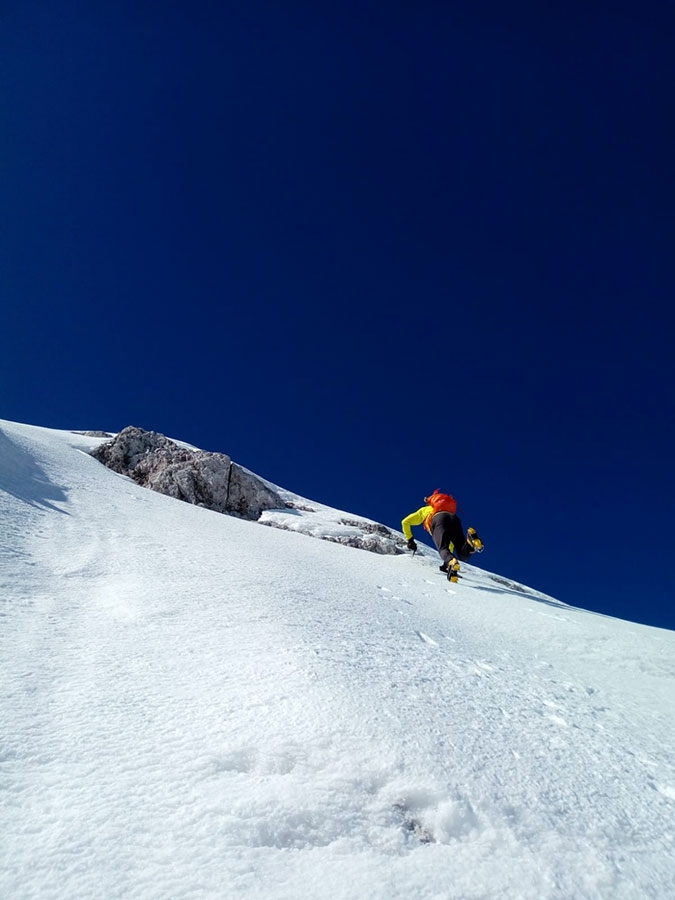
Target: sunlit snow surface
x: 195, y: 706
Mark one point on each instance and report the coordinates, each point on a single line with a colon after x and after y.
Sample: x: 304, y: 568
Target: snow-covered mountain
x: 195, y: 706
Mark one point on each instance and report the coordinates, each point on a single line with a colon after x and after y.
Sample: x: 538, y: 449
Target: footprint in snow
x: 666, y: 790
x: 411, y: 825
x: 427, y: 640
x: 386, y: 590
x: 557, y: 720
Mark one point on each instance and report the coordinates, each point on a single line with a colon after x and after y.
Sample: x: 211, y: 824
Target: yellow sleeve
x: 415, y: 518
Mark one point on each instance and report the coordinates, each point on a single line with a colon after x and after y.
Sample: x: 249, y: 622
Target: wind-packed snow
x: 196, y: 706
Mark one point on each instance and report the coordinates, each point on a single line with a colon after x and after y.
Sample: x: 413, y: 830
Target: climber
x: 439, y: 517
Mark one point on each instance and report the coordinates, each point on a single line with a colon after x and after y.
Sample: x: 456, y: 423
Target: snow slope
x: 195, y: 706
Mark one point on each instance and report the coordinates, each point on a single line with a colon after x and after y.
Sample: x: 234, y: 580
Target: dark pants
x: 447, y: 532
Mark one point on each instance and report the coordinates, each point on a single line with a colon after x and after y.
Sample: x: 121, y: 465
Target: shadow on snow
x: 24, y: 479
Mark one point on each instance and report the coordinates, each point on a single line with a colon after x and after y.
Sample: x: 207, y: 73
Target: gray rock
x: 205, y: 479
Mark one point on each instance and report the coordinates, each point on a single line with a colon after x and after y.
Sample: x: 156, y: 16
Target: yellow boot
x: 474, y: 541
x: 453, y: 570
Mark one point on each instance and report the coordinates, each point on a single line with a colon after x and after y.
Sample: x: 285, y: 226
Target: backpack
x: 441, y: 502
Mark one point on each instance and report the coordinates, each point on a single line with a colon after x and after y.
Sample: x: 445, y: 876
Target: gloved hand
x: 412, y: 545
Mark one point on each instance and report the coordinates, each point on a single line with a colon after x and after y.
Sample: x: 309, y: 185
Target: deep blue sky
x: 367, y: 249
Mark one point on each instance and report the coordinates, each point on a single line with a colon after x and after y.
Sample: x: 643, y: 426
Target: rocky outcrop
x: 374, y: 537
x: 205, y: 479
x: 331, y: 525
x: 213, y: 481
